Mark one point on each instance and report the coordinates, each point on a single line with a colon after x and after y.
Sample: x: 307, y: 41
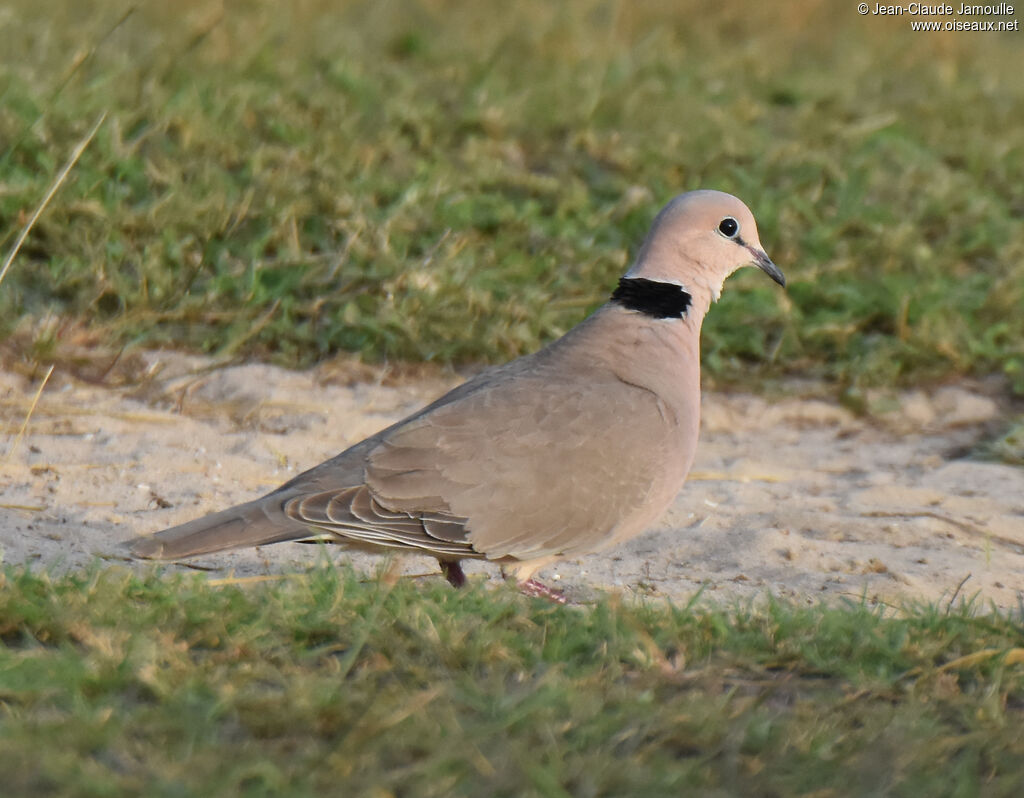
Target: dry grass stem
x: 61, y: 177
x: 28, y: 416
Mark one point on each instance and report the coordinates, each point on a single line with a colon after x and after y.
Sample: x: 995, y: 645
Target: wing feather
x: 351, y: 514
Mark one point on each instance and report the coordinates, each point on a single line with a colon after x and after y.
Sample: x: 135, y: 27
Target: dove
x: 569, y: 450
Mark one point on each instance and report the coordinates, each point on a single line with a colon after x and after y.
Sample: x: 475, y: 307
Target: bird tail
x: 256, y: 523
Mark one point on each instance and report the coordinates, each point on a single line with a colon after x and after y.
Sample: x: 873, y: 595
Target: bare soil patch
x: 797, y: 497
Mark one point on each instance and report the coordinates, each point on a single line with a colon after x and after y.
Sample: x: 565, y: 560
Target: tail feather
x: 256, y: 523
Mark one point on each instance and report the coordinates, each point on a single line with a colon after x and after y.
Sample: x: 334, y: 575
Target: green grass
x: 435, y: 181
x: 116, y: 684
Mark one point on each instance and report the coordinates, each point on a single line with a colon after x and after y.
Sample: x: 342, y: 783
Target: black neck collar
x: 652, y: 298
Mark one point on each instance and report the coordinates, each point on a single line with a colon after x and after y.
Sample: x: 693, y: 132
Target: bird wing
x: 539, y: 464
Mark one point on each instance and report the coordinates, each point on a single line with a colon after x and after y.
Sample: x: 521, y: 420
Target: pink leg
x: 531, y: 587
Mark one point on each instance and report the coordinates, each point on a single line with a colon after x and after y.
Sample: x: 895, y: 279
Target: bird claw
x: 535, y: 589
x: 530, y: 587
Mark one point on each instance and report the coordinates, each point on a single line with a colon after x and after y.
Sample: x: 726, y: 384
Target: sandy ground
x: 797, y: 497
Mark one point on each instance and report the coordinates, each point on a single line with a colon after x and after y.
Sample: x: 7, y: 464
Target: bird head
x: 698, y: 240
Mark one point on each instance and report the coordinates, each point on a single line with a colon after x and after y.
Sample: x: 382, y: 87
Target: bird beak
x: 764, y: 263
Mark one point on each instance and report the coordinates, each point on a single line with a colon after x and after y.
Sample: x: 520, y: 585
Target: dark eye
x: 729, y: 227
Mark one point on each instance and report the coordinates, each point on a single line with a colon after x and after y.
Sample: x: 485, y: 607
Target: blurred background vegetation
x: 438, y: 180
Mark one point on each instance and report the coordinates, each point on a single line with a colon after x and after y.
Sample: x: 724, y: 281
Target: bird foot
x: 535, y: 589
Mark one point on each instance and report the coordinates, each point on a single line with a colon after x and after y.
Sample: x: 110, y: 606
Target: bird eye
x: 729, y: 227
